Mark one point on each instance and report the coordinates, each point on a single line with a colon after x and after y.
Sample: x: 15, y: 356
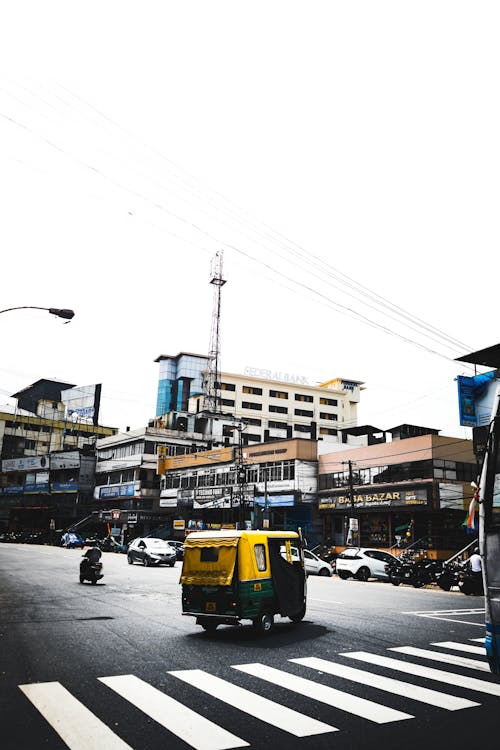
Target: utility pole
x: 354, y: 520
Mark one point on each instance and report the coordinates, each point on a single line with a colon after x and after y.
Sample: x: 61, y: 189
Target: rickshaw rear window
x: 209, y: 554
x: 260, y: 556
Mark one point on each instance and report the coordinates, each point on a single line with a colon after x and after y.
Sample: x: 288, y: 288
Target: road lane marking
x: 398, y: 687
x: 337, y: 698
x: 257, y: 706
x: 78, y: 727
x: 477, y: 640
x: 439, y: 675
x: 461, y: 647
x: 458, y: 661
x: 186, y: 724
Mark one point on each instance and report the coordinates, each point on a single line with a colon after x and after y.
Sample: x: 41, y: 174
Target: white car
x: 151, y: 551
x: 313, y: 564
x: 363, y: 563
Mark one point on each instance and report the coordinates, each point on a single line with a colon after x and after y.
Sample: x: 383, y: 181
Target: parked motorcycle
x: 470, y: 583
x: 449, y: 575
x: 91, y: 566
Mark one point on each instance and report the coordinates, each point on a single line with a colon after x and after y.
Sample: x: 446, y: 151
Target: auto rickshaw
x: 230, y: 575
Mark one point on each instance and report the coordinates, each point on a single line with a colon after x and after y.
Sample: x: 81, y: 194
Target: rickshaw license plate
x: 210, y: 607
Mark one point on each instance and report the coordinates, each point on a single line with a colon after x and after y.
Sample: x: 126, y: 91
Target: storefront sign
x: 375, y: 500
x: 64, y: 487
x: 68, y: 460
x: 117, y: 490
x: 25, y: 464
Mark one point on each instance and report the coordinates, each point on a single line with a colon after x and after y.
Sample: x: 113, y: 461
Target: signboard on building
x: 66, y: 460
x: 179, y: 524
x: 376, y: 499
x: 81, y: 404
x: 117, y: 490
x: 475, y: 398
x: 25, y: 464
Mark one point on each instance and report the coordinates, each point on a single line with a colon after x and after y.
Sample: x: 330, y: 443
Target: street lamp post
x: 57, y: 311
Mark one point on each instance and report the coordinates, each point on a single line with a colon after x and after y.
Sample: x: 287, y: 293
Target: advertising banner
x: 25, y: 464
x: 117, y: 490
x: 82, y: 403
x: 67, y: 460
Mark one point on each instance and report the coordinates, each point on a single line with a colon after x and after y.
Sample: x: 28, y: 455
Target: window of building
x: 252, y: 420
x: 327, y: 431
x: 251, y: 405
x: 250, y: 438
x: 328, y: 401
x: 328, y: 416
x: 304, y: 413
x: 227, y: 402
x: 302, y: 428
x: 227, y: 387
x: 277, y: 425
x: 278, y: 394
x: 278, y: 409
x: 252, y: 389
x: 303, y: 397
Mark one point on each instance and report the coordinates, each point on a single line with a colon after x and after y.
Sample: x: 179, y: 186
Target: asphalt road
x: 117, y: 666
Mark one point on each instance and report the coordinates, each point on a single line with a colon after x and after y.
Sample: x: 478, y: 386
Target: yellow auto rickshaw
x: 229, y: 575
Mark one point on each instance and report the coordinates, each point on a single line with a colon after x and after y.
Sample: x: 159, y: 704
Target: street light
x: 59, y: 312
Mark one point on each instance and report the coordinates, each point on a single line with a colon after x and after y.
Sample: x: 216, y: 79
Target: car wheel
x: 264, y: 623
x: 82, y: 579
x: 363, y: 573
x: 395, y: 580
x: 343, y: 575
x: 171, y: 565
x: 146, y: 562
x: 130, y: 559
x: 324, y: 572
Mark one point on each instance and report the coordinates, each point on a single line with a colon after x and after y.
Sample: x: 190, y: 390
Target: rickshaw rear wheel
x: 264, y: 623
x: 208, y: 624
x: 299, y: 615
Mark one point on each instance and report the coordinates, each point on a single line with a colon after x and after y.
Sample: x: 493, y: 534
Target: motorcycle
x: 91, y: 566
x: 449, y: 576
x: 470, y: 583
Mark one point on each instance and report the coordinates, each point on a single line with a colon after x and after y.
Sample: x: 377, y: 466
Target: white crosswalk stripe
x: 78, y: 727
x: 448, y: 678
x: 466, y: 647
x: 273, y: 713
x: 390, y: 685
x: 337, y: 698
x: 458, y: 661
x: 186, y: 724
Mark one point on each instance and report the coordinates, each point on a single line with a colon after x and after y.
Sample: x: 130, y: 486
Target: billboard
x: 475, y: 398
x: 82, y: 403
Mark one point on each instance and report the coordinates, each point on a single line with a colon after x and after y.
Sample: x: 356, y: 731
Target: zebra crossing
x: 80, y: 728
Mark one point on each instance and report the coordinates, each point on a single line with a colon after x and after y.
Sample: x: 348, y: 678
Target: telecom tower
x: 212, y: 376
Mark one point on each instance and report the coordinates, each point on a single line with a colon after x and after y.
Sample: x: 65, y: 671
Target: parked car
x: 312, y: 563
x: 363, y: 563
x: 151, y: 551
x: 178, y: 546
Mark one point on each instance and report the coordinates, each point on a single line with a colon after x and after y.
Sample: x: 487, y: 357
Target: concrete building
x: 408, y: 489
x: 47, y: 456
x: 273, y: 405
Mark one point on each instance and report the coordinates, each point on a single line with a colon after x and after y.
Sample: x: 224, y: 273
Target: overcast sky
x: 344, y: 156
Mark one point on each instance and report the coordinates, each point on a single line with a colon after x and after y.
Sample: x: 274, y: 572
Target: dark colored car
x: 178, y: 546
x: 151, y: 551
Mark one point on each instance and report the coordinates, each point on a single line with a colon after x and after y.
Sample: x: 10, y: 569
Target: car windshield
x: 157, y: 543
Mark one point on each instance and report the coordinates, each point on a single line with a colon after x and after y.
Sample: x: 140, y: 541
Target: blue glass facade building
x: 180, y: 377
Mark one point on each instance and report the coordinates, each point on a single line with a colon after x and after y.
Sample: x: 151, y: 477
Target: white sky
x: 311, y: 141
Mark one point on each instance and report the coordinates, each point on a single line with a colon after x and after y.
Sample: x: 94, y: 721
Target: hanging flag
x: 471, y: 521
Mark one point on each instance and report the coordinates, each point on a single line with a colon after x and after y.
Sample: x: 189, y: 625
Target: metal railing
x: 462, y: 555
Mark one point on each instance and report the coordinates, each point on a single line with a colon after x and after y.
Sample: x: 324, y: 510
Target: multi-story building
x: 408, y: 489
x: 47, y: 456
x: 274, y: 406
x: 273, y: 483
x: 127, y: 484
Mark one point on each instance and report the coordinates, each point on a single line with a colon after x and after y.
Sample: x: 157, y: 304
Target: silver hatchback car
x: 151, y: 551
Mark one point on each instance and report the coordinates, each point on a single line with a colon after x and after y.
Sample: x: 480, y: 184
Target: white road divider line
x: 78, y: 727
x: 477, y: 640
x: 439, y: 675
x: 186, y: 724
x: 398, y: 687
x: 457, y: 661
x: 256, y: 705
x: 337, y: 698
x: 461, y: 647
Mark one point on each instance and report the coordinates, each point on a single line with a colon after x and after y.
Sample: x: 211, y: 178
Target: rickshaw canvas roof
x: 239, y: 534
